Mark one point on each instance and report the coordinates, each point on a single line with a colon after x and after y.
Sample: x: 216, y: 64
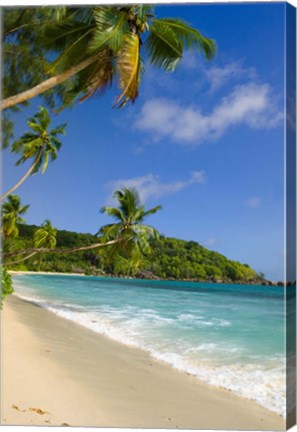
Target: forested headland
x: 170, y: 258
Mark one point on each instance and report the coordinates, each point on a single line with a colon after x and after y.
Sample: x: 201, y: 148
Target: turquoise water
x: 230, y: 336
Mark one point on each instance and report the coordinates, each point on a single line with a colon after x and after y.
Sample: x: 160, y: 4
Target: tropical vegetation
x: 6, y: 284
x: 134, y: 235
x: 89, y: 47
x: 170, y: 258
x: 128, y: 239
x: 63, y: 55
x: 12, y: 212
x: 41, y: 145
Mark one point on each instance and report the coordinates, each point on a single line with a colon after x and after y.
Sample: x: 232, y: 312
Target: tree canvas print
x: 148, y: 198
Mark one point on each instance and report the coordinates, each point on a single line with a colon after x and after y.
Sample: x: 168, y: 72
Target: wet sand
x: 55, y: 372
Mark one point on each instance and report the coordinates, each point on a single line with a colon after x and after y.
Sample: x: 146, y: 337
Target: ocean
x: 230, y: 336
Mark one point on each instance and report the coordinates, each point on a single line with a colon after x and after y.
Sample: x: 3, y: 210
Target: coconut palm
x: 12, y: 212
x: 45, y: 236
x: 127, y: 239
x: 24, y: 58
x: 44, y: 240
x: 96, y: 44
x: 41, y: 145
x: 129, y: 229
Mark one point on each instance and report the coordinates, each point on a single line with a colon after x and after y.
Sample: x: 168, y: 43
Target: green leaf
x: 128, y: 68
x: 169, y: 38
x: 189, y: 37
x: 111, y: 28
x: 45, y: 162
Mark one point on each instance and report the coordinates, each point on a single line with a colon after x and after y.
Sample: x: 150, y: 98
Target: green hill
x: 170, y: 259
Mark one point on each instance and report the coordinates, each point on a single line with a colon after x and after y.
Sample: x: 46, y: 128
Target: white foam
x: 265, y: 386
x: 200, y: 321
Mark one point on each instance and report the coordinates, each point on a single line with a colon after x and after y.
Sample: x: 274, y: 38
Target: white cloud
x: 253, y: 202
x: 150, y: 185
x: 219, y: 76
x: 250, y: 104
x: 211, y: 241
x: 190, y: 61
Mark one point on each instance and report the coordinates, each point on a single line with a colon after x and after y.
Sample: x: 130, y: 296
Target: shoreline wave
x: 272, y: 401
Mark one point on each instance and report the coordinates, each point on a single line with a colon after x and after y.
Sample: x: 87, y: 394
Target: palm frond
x: 110, y: 232
x: 28, y: 149
x: 110, y: 30
x: 163, y: 47
x: 57, y: 12
x: 56, y: 142
x: 59, y: 130
x: 81, y: 14
x: 45, y: 236
x: 34, y: 125
x: 45, y: 162
x: 147, y: 231
x: 97, y: 77
x: 143, y: 11
x: 112, y: 211
x: 169, y: 38
x: 57, y: 35
x: 128, y: 68
x: 152, y: 211
x: 43, y: 117
x: 136, y: 257
x: 75, y: 52
x: 142, y: 213
x: 12, y: 211
x: 189, y: 37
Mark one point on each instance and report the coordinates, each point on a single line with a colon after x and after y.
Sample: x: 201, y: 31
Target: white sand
x: 56, y: 372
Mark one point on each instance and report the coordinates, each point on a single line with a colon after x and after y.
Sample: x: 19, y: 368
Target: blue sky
x: 206, y: 142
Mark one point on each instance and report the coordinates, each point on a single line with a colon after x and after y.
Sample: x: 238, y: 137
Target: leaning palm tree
x: 129, y: 229
x: 127, y: 239
x: 44, y: 241
x: 24, y: 59
x: 41, y: 145
x: 93, y: 45
x: 12, y: 211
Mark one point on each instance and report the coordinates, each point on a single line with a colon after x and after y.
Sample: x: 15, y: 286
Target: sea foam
x: 195, y: 341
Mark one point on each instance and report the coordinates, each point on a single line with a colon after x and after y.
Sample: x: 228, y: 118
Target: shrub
x: 6, y: 284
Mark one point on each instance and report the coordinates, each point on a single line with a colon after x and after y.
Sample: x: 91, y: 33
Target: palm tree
x: 133, y: 235
x: 127, y: 239
x: 96, y: 44
x: 45, y: 237
x: 25, y: 59
x: 12, y: 211
x: 41, y: 145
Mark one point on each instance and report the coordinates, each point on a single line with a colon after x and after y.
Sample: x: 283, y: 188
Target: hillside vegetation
x: 170, y: 259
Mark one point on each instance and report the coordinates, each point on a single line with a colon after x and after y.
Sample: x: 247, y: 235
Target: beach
x: 56, y: 372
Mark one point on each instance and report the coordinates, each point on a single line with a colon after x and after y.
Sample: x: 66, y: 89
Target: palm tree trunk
x: 21, y: 259
x: 46, y: 85
x: 82, y: 248
x: 18, y: 184
x: 47, y: 250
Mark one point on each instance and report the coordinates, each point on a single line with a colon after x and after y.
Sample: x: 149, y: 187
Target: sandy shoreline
x: 22, y: 272
x: 56, y: 372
